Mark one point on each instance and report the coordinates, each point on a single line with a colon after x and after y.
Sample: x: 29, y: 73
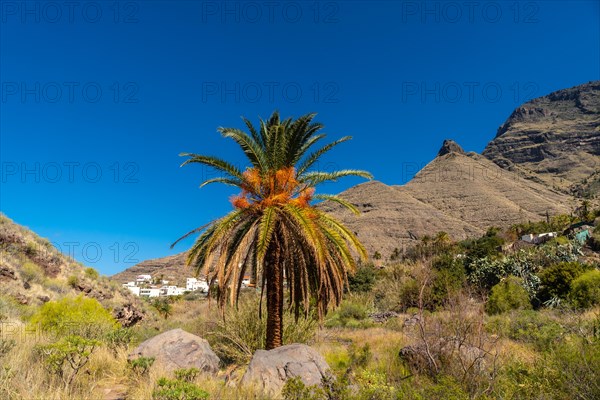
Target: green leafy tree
x: 68, y: 356
x: 363, y: 279
x: 556, y: 280
x: 275, y: 229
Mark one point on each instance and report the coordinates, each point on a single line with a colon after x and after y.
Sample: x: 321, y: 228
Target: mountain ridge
x: 554, y: 138
x: 464, y: 193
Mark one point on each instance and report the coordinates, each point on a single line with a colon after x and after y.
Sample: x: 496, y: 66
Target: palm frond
x: 314, y: 157
x: 317, y: 177
x: 338, y: 200
x: 266, y: 228
x: 214, y: 162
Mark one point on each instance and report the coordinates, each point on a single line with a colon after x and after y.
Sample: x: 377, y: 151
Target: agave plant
x: 275, y: 229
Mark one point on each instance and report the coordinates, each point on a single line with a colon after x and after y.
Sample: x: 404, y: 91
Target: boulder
x: 176, y: 349
x: 7, y: 274
x: 269, y: 370
x: 381, y: 317
x: 128, y: 315
x: 43, y: 298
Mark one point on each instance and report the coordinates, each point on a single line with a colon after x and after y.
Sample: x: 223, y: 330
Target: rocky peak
x: 553, y: 139
x: 450, y: 146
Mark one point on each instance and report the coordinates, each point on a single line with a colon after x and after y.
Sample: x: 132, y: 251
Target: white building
x: 171, y: 291
x: 132, y: 288
x: 150, y: 292
x: 193, y: 284
x: 143, y: 278
x: 246, y: 281
x: 531, y: 238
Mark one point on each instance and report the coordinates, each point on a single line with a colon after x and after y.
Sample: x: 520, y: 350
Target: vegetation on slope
x: 477, y: 319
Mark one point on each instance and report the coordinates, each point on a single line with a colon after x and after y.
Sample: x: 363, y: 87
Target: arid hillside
x: 33, y: 272
x: 458, y: 193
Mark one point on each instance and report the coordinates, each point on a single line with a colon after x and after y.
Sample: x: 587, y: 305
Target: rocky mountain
x: 460, y: 193
x: 476, y: 191
x: 554, y: 139
x: 32, y: 272
x: 547, y: 148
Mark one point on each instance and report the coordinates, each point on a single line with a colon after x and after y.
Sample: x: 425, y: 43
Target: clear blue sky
x: 98, y: 101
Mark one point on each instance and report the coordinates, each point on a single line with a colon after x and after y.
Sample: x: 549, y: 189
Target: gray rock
x: 176, y: 349
x: 450, y: 146
x: 7, y: 273
x: 269, y: 370
x: 381, y: 317
x: 128, y: 315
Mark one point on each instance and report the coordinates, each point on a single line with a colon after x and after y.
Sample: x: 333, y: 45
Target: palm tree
x: 275, y: 228
x: 442, y: 239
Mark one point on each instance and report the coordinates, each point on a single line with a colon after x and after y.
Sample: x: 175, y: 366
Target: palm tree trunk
x: 274, y: 276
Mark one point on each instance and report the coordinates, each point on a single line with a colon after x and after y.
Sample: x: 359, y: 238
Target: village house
x: 143, y: 278
x: 580, y: 231
x: 132, y: 288
x: 142, y: 286
x: 246, y: 281
x: 193, y: 284
x: 538, y: 238
x: 171, y: 291
x: 150, y: 292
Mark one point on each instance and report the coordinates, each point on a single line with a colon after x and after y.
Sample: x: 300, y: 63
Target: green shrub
x: 6, y: 345
x: 364, y: 279
x: 68, y: 356
x: 569, y: 371
x: 295, y: 389
x: 92, y: 273
x: 486, y: 246
x: 74, y: 316
x: 449, y: 278
x: 573, y: 367
x: 31, y: 249
x: 556, y: 280
x: 373, y: 385
x: 187, y: 374
x: 442, y: 388
x: 236, y: 337
x: 119, y: 338
x: 32, y: 273
x: 528, y: 326
x: 508, y: 295
x: 73, y: 281
x: 57, y: 286
x: 399, y: 287
x: 141, y: 365
x: 6, y: 308
x: 485, y: 273
x: 163, y: 306
x: 454, y: 268
x: 352, y: 313
x: 172, y: 389
x: 585, y: 290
